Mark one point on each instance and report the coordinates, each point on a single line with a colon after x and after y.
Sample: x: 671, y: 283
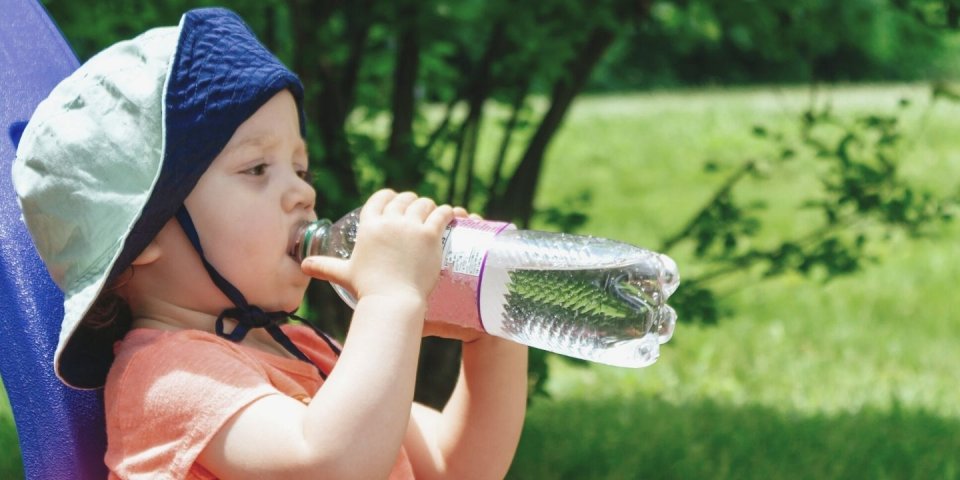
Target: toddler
x: 162, y: 183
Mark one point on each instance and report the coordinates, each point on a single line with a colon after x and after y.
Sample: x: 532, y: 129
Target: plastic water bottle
x: 586, y: 297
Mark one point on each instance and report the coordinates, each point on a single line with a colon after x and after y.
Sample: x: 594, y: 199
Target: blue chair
x: 61, y: 430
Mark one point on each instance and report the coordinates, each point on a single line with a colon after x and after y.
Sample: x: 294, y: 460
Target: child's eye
x: 306, y: 176
x: 257, y: 170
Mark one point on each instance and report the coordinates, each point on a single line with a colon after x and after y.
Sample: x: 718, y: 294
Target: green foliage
x: 10, y: 464
x: 862, y: 199
x: 723, y: 42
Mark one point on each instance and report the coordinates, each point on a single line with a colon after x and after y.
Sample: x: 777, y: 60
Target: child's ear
x: 148, y: 255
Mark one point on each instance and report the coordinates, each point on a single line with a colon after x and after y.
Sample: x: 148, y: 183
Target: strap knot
x: 247, y: 316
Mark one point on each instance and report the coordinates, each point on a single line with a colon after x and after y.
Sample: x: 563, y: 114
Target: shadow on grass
x: 652, y: 439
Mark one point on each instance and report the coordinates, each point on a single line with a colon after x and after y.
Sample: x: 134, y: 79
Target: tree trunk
x: 359, y: 21
x: 403, y: 166
x: 439, y: 359
x: 476, y: 92
x: 457, y: 159
x: 477, y: 95
x: 473, y: 136
x: 329, y: 108
x: 441, y: 128
x: 327, y: 111
x: 517, y: 201
x: 508, y: 130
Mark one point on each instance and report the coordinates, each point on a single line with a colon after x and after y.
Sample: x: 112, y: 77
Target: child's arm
x: 355, y: 425
x: 477, y: 433
x: 476, y: 436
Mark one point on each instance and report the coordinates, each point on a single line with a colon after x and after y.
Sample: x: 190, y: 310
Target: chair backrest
x: 61, y: 430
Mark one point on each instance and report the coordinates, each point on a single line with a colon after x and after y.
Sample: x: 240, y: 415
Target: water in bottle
x: 581, y: 296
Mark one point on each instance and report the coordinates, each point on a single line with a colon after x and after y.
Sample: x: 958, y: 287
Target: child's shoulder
x: 147, y: 342
x: 152, y: 353
x: 151, y: 338
x: 146, y: 354
x: 168, y: 392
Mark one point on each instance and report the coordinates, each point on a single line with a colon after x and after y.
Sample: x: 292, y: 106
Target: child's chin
x: 294, y: 303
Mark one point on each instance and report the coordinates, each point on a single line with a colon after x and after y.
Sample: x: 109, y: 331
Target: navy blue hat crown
x: 220, y: 75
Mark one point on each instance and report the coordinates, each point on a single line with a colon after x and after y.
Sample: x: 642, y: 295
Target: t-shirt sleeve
x: 170, y: 398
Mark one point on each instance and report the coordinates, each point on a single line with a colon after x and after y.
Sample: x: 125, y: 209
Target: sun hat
x: 109, y: 157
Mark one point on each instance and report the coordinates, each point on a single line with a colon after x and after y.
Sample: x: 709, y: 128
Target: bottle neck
x: 311, y: 239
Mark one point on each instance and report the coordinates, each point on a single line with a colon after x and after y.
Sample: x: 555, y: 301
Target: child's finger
x: 376, y: 203
x: 440, y: 217
x: 461, y: 212
x: 398, y: 205
x: 326, y: 268
x: 420, y: 209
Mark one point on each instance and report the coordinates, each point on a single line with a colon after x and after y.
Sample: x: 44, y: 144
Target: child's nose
x: 299, y: 195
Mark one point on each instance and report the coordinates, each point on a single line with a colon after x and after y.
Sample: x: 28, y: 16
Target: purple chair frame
x: 61, y: 430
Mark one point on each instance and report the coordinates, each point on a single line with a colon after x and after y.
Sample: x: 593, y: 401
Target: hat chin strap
x: 248, y: 316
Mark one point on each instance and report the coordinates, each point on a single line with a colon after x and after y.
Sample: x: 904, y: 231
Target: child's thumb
x: 326, y: 268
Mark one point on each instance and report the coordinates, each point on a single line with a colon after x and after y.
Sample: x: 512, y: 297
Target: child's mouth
x: 292, y: 249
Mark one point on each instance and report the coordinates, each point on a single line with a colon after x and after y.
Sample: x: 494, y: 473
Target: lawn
x: 855, y: 378
x: 9, y: 448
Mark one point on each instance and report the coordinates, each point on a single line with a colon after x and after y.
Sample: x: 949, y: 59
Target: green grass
x: 10, y: 466
x: 855, y: 378
x: 648, y: 437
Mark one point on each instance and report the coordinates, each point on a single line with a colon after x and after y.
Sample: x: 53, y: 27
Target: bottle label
x: 492, y: 308
x: 465, y: 245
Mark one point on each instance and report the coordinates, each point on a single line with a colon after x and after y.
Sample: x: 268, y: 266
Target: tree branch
x: 723, y: 191
x: 517, y: 200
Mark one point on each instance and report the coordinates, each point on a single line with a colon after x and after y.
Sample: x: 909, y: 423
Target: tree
x: 863, y: 200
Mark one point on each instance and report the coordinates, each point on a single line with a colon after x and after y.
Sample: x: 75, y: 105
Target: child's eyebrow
x: 264, y: 141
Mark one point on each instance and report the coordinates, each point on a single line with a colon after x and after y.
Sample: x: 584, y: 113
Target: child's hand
x: 397, y: 250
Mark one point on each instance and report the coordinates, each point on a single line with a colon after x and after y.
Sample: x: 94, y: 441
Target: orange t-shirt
x: 169, y: 392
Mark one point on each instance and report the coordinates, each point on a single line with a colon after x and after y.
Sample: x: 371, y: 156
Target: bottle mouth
x: 296, y: 239
x: 306, y: 239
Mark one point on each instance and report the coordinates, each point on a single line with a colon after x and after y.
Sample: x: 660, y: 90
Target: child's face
x: 249, y: 202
